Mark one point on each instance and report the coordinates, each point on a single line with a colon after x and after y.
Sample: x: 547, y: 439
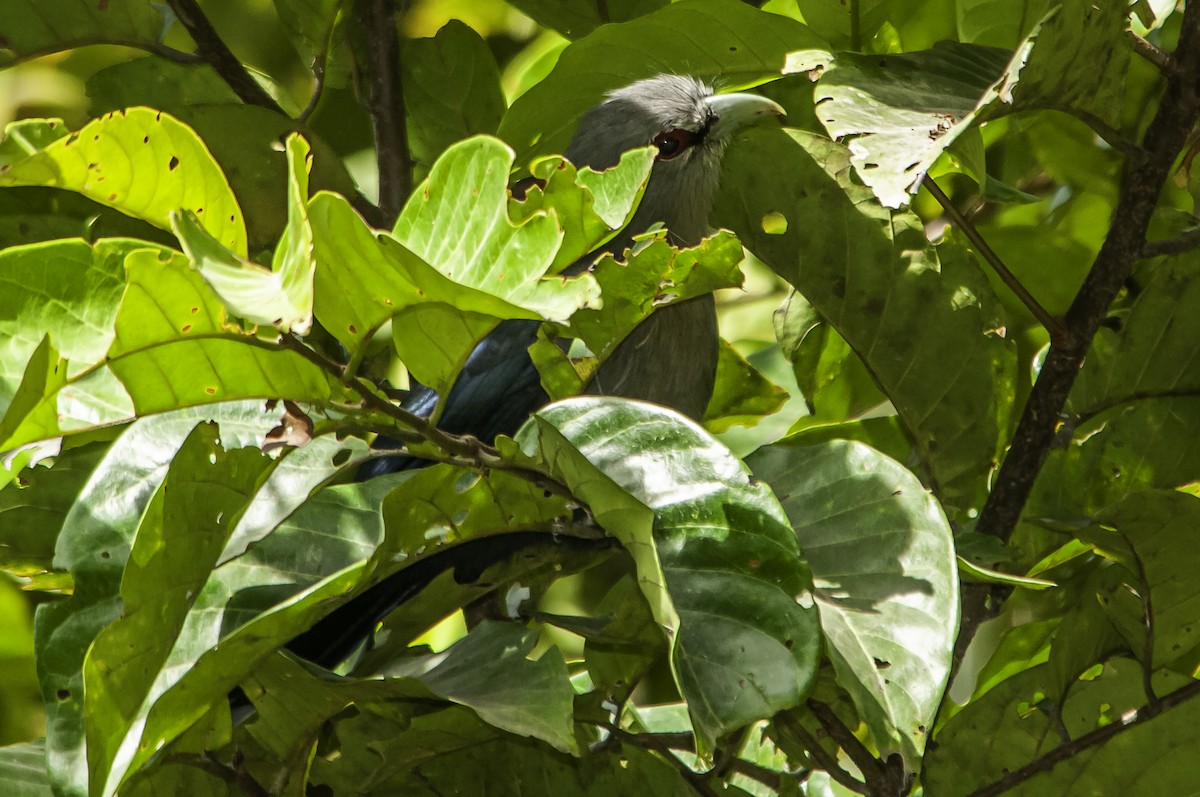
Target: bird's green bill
x: 735, y: 111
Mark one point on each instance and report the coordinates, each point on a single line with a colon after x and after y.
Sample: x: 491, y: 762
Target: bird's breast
x: 669, y: 359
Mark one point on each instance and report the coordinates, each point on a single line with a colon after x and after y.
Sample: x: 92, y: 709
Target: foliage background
x: 1081, y: 610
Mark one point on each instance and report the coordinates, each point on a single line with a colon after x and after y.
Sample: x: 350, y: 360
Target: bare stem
x: 213, y: 50
x: 380, y: 84
x: 1185, y: 241
x: 1052, y: 324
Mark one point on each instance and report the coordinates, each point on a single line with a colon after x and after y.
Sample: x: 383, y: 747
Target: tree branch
x: 883, y: 778
x: 1152, y: 53
x: 1044, y: 317
x: 1099, y: 736
x: 212, y: 49
x: 1185, y: 241
x: 380, y: 84
x: 1143, y: 181
x: 822, y: 758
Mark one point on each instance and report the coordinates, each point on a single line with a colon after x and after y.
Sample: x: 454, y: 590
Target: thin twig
x: 1099, y: 736
x: 1152, y: 53
x: 381, y: 86
x: 1052, y: 324
x: 822, y: 758
x: 154, y: 48
x: 881, y: 781
x: 1185, y: 241
x: 1145, y: 395
x: 318, y: 70
x: 212, y: 49
x: 1111, y: 135
x: 463, y: 450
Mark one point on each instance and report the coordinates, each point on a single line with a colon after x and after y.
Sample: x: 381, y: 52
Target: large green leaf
x: 715, y: 558
x: 709, y: 39
x: 364, y: 279
x: 145, y: 164
x: 31, y: 27
x: 489, y: 672
x: 94, y: 546
x: 903, y: 111
x: 882, y: 556
x: 183, y: 531
x: 172, y: 349
x: 451, y: 90
x: 32, y: 513
x: 1153, y: 351
x: 484, y: 249
x: 922, y: 318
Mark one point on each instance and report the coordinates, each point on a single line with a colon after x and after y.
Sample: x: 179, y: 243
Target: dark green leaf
x: 882, y: 556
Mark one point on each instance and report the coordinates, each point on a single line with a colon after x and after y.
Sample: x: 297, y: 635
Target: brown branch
x: 1053, y: 325
x: 1152, y: 53
x: 1143, y: 181
x: 883, y: 778
x: 379, y: 70
x: 234, y: 776
x: 1185, y: 241
x: 1099, y: 736
x: 213, y: 50
x: 819, y: 755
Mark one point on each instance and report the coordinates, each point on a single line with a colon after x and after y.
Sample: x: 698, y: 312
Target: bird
x: 669, y: 359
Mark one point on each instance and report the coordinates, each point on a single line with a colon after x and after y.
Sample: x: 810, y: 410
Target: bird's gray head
x: 690, y: 126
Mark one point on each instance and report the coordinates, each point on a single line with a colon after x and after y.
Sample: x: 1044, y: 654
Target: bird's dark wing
x: 496, y: 391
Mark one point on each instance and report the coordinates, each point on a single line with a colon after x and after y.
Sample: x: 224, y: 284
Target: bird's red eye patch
x: 673, y: 142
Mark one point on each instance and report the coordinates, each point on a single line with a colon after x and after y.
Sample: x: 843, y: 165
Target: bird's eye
x: 673, y: 142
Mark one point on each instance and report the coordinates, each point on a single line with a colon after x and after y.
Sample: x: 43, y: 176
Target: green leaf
x: 32, y: 513
x: 453, y: 752
x: 590, y: 206
x: 883, y: 563
x: 183, y: 531
x: 1152, y: 535
x: 143, y: 163
x: 715, y: 557
x: 364, y: 279
x: 451, y: 90
x: 94, y: 546
x: 1153, y: 350
x: 32, y: 27
x: 654, y: 275
x: 577, y: 18
x: 68, y: 290
x: 489, y: 672
x: 922, y: 319
x: 730, y: 42
x: 281, y: 296
x: 835, y: 382
x: 23, y: 770
x: 903, y: 111
x: 26, y: 137
x: 487, y: 251
x: 172, y: 349
x: 742, y: 395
